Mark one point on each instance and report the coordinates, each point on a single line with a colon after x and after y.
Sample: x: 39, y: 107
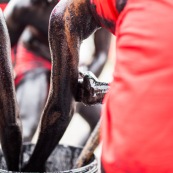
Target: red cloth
x: 138, y: 112
x: 3, y: 5
x: 26, y: 61
x: 106, y: 10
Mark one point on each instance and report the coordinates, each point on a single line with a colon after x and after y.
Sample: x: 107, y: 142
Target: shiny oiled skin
x: 36, y: 41
x: 27, y: 22
x: 70, y: 23
x: 90, y: 91
x: 65, y: 36
x: 10, y: 130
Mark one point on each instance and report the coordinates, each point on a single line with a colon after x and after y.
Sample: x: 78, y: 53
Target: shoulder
x: 107, y: 12
x: 17, y: 9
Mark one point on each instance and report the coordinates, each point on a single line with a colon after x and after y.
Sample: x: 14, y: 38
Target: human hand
x: 90, y: 91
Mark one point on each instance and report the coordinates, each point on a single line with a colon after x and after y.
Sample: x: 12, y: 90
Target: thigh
x: 31, y: 96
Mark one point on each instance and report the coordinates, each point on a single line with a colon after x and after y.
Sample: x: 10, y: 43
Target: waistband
x: 26, y: 60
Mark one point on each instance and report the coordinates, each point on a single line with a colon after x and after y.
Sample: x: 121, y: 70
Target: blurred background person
x: 27, y: 22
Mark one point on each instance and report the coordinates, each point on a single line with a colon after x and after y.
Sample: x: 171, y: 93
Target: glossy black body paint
x: 67, y: 30
x: 10, y: 131
x: 66, y: 34
x: 27, y: 24
x: 32, y: 33
x: 90, y: 90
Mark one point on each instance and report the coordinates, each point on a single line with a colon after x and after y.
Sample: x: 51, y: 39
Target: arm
x: 15, y: 16
x: 102, y: 42
x: 71, y: 21
x: 90, y: 91
x: 10, y: 131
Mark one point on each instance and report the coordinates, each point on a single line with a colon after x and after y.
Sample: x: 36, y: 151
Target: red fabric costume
x: 3, y: 5
x: 26, y: 61
x: 138, y: 113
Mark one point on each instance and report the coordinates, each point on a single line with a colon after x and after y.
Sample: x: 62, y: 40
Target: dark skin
x: 32, y: 34
x: 10, y: 123
x: 10, y: 126
x: 53, y: 123
x: 27, y: 23
x: 70, y: 23
x: 65, y: 36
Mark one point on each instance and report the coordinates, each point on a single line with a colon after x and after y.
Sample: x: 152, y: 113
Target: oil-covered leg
x: 60, y: 104
x: 10, y: 131
x: 65, y: 35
